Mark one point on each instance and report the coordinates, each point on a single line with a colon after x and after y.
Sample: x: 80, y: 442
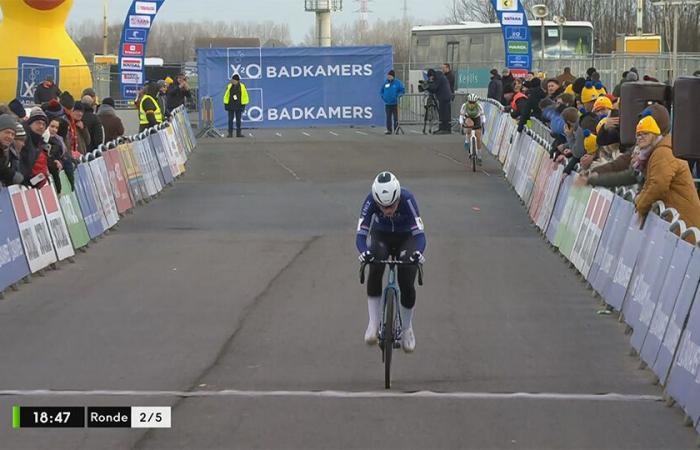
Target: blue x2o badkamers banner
x: 299, y: 87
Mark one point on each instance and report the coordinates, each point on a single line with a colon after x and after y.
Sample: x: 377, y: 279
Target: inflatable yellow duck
x: 36, y: 29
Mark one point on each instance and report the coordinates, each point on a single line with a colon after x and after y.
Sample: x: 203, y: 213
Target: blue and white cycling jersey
x: 406, y: 219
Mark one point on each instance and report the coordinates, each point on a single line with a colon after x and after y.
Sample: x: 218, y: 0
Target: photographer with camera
x: 438, y: 85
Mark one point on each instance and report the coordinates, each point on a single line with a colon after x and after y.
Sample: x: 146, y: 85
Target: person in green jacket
x: 235, y: 101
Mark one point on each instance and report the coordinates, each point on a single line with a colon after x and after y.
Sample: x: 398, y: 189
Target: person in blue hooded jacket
x: 391, y: 90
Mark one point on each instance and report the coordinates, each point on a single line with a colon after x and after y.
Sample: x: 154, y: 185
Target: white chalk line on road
x: 305, y: 133
x: 362, y: 133
x: 282, y: 165
x: 448, y: 157
x: 428, y: 395
x: 415, y: 132
x: 334, y: 133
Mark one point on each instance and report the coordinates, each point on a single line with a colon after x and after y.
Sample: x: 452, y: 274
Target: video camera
x: 425, y: 85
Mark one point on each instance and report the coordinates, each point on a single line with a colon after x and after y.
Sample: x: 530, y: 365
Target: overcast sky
x: 289, y: 11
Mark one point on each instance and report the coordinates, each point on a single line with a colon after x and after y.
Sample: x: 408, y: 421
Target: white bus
x: 474, y: 48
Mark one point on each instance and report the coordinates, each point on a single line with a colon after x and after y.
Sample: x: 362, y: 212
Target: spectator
x: 554, y: 88
x: 535, y: 94
x: 450, y: 75
x: 589, y: 94
x: 16, y: 149
x: 78, y: 135
x: 391, y: 90
x: 59, y: 153
x: 163, y: 97
x: 566, y: 99
x: 577, y: 139
x: 92, y: 123
x: 112, y: 124
x: 620, y: 172
x: 566, y: 76
x: 93, y: 95
x: 46, y: 91
x: 8, y: 174
x: 630, y: 76
x: 18, y: 109
x: 590, y: 72
x: 150, y: 113
x: 529, y: 76
x: 495, y: 90
x: 235, y: 101
x: 440, y: 86
x: 178, y: 92
x: 35, y: 162
x: 508, y: 87
x: 666, y: 177
x: 519, y: 100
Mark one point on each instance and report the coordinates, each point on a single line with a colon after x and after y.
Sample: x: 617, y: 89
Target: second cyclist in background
x: 472, y: 117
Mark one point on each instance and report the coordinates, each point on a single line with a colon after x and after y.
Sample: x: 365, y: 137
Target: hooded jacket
x: 112, y: 124
x: 391, y: 91
x: 495, y: 90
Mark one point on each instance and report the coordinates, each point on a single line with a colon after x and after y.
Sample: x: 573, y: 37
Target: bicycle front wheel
x: 473, y: 152
x: 388, y: 343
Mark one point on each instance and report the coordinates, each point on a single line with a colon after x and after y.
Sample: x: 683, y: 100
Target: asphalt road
x: 234, y: 298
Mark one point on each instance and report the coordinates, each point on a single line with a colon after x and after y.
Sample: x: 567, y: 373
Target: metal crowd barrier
x: 648, y: 275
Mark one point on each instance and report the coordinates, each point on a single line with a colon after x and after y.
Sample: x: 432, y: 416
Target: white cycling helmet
x: 472, y: 98
x: 386, y: 189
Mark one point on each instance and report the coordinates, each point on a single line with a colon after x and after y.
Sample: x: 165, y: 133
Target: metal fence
x: 474, y: 75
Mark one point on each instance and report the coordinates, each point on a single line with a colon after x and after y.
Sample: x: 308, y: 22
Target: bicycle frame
x: 392, y: 284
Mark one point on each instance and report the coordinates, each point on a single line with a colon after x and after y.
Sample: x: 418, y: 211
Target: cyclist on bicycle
x: 390, y: 225
x: 472, y: 117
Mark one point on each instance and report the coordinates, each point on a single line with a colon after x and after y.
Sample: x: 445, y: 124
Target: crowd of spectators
x: 53, y: 135
x: 583, y: 116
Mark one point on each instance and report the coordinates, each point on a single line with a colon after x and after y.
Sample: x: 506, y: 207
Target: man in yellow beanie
x: 589, y: 94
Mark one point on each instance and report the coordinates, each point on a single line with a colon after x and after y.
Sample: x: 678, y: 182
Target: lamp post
x: 675, y: 4
x: 560, y: 21
x: 541, y: 12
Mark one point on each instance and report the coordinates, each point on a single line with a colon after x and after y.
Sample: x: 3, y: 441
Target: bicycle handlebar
x: 394, y: 262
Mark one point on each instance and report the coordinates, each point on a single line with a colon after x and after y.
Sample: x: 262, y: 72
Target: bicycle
x: 470, y: 145
x: 390, y: 326
x: 432, y: 114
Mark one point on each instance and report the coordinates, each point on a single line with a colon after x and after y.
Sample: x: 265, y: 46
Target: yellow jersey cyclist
x: 472, y: 117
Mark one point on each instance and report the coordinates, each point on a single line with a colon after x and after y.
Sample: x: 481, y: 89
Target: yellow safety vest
x: 244, y: 94
x: 143, y: 119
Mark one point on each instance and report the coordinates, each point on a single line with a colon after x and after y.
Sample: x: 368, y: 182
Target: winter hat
x: 601, y: 124
x: 494, y: 72
x: 660, y: 115
x: 534, y: 83
x: 570, y: 115
x: 589, y: 142
x: 18, y: 109
x: 589, y: 93
x: 648, y: 125
x: 602, y: 102
x: 600, y: 88
x: 7, y: 122
x: 89, y: 91
x: 649, y: 78
x: 569, y: 89
x: 78, y: 107
x: 578, y: 85
x: 54, y: 109
x: 392, y: 73
x: 110, y: 101
x: 66, y: 100
x: 20, y: 132
x: 591, y: 71
x: 37, y: 114
x: 632, y: 76
x: 167, y: 80
x: 236, y: 77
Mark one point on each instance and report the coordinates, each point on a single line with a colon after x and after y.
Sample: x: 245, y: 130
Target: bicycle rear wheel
x: 388, y: 342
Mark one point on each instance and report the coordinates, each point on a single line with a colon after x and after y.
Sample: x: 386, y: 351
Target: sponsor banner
x: 31, y: 72
x: 132, y: 64
x: 162, y: 157
x: 686, y: 298
x: 132, y: 78
x: 154, y: 164
x: 137, y: 21
x: 516, y: 34
x: 132, y: 172
x: 276, y: 78
x: 591, y: 229
x: 137, y: 25
x: 13, y: 262
x: 92, y: 213
x: 118, y: 180
x: 683, y: 379
x: 557, y: 214
x: 57, y: 224
x: 98, y: 171
x: 33, y: 228
x: 72, y: 215
x: 668, y: 295
x: 132, y: 50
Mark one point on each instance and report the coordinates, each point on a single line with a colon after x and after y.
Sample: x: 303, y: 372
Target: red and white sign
x: 146, y: 8
x: 513, y: 18
x: 32, y: 227
x: 132, y: 64
x: 140, y: 21
x: 132, y: 78
x: 57, y: 224
x: 132, y: 50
